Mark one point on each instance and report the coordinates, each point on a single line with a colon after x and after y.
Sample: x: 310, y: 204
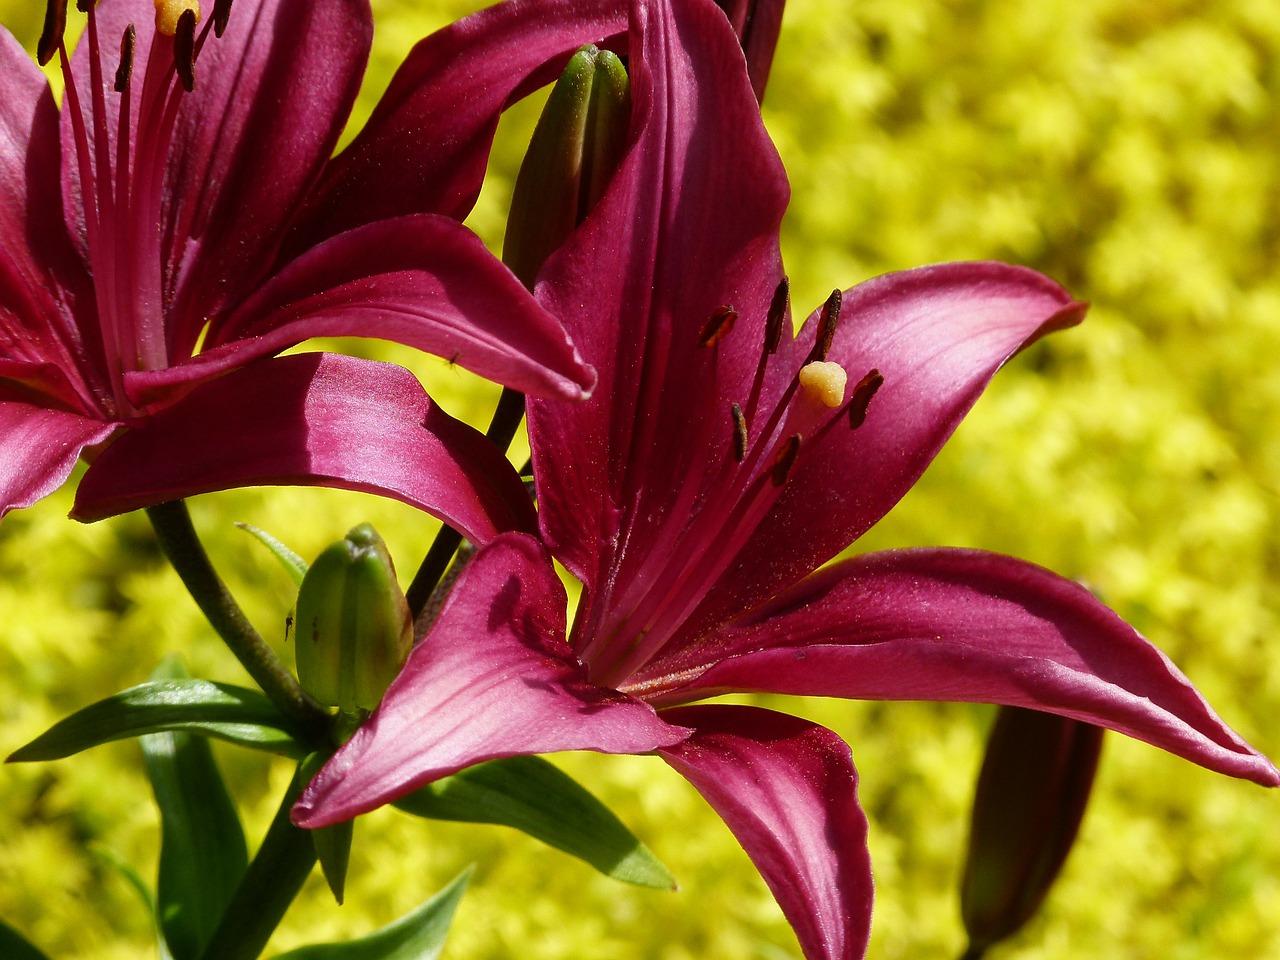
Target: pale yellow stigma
x: 824, y: 382
x: 168, y: 12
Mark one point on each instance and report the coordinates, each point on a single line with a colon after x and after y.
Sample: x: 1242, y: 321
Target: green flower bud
x: 576, y: 148
x: 352, y: 624
x: 1030, y: 798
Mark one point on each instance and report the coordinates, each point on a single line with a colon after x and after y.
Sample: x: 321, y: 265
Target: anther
x: 739, y: 433
x: 717, y: 327
x: 125, y: 70
x: 777, y: 316
x: 55, y: 25
x: 827, y: 321
x: 861, y: 399
x: 84, y: 5
x: 169, y: 14
x: 785, y: 460
x: 824, y: 381
x: 184, y: 49
x: 221, y: 14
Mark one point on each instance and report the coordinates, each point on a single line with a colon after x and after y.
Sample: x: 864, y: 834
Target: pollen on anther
x: 169, y: 12
x: 740, y: 437
x: 221, y: 14
x: 824, y: 382
x: 184, y: 50
x: 777, y: 316
x: 717, y: 326
x: 785, y: 460
x: 827, y: 322
x: 861, y: 399
x: 123, y: 72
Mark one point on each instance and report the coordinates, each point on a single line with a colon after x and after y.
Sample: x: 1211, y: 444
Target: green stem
x: 182, y: 546
x: 502, y: 429
x: 278, y: 871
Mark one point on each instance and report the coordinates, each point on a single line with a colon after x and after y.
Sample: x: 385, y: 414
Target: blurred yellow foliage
x: 1126, y: 147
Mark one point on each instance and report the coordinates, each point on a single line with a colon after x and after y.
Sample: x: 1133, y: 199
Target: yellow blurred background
x: 1125, y: 147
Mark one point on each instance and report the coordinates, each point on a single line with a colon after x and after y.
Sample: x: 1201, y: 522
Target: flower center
x: 122, y: 128
x: 711, y: 522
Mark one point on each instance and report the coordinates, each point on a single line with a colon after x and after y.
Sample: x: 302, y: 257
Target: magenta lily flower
x: 720, y: 463
x: 180, y: 222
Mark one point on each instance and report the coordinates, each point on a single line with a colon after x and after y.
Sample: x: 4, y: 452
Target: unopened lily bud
x: 575, y: 149
x: 1030, y: 799
x: 352, y: 623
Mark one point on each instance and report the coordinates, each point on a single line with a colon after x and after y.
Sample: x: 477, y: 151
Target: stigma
x: 824, y: 382
x: 169, y: 12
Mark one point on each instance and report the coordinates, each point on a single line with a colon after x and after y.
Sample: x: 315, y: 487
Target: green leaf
x: 202, y: 850
x: 237, y: 714
x: 534, y: 796
x: 14, y: 946
x: 333, y: 844
x: 416, y: 936
x: 293, y: 564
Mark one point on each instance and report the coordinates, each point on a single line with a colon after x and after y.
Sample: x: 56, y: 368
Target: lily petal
x: 966, y: 625
x: 270, y: 101
x: 757, y: 24
x: 787, y: 789
x: 39, y: 448
x: 689, y: 225
x: 493, y: 678
x: 937, y: 335
x: 424, y: 281
x: 319, y: 419
x: 425, y: 147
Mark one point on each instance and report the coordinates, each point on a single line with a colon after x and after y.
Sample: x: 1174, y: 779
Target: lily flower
x: 180, y: 220
x: 722, y: 462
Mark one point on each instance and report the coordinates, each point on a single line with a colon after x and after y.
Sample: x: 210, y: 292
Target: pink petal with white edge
x: 493, y: 678
x: 423, y: 281
x: 315, y: 419
x: 39, y: 449
x: 787, y: 789
x: 937, y: 335
x: 965, y: 625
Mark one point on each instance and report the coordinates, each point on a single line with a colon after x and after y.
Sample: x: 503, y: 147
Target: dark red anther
x: 84, y: 5
x: 718, y: 326
x: 861, y: 399
x: 739, y: 432
x: 55, y: 25
x: 221, y: 14
x: 827, y: 321
x: 184, y: 49
x: 777, y: 316
x: 785, y: 460
x: 123, y: 72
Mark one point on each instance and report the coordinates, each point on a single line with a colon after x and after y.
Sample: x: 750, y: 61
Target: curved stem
x: 502, y: 429
x: 182, y: 546
x: 279, y: 868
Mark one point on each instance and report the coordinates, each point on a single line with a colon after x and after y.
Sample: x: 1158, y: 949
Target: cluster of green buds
x: 575, y: 150
x: 1031, y: 796
x: 352, y: 624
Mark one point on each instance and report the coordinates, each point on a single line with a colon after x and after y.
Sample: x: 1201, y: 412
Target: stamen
x: 777, y: 316
x: 718, y: 326
x: 125, y: 71
x: 827, y: 321
x: 739, y: 433
x: 221, y: 14
x: 824, y: 381
x: 861, y: 399
x: 55, y: 25
x: 785, y: 460
x: 169, y: 14
x: 84, y: 5
x: 184, y: 49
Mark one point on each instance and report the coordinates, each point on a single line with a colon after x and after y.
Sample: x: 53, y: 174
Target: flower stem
x: 172, y: 523
x: 502, y: 429
x: 279, y: 868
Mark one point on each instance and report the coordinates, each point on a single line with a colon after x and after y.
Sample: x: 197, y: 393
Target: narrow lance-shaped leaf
x: 333, y: 844
x: 293, y: 564
x: 534, y: 796
x: 419, y: 935
x: 202, y: 851
x: 231, y: 713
